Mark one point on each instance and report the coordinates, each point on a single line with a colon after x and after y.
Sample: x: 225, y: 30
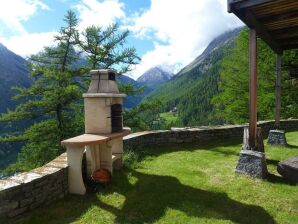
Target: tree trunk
x: 259, y: 145
x: 59, y: 119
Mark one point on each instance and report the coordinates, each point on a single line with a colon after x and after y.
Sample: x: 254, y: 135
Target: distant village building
x: 174, y: 111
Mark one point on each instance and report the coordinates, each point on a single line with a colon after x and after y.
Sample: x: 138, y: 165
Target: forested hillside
x: 13, y: 72
x: 232, y: 101
x: 192, y: 89
x: 213, y: 89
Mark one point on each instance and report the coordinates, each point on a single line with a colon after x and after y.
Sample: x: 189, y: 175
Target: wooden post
x: 252, y: 88
x: 278, y: 91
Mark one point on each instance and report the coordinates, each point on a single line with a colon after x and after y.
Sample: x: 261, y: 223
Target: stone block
x: 172, y: 140
x: 41, y: 183
x: 7, y: 206
x: 252, y: 163
x: 17, y: 212
x: 15, y: 193
x: 27, y: 187
x: 26, y: 202
x: 36, y: 204
x: 188, y: 140
x: 277, y: 137
x: 289, y: 169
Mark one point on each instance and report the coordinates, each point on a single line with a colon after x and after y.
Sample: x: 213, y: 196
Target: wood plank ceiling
x: 276, y: 21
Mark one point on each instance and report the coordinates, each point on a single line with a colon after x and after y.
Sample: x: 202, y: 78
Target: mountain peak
x: 155, y: 76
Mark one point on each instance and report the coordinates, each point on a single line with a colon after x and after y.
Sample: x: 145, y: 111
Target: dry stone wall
x: 199, y: 135
x: 41, y: 186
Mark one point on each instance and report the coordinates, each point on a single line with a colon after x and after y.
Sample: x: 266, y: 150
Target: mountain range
x: 13, y: 72
x: 190, y: 90
x: 194, y: 80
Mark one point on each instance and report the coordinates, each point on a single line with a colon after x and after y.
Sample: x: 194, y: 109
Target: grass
x: 169, y: 117
x: 184, y: 185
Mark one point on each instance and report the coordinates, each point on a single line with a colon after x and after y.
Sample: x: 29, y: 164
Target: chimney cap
x: 103, y: 81
x: 102, y: 71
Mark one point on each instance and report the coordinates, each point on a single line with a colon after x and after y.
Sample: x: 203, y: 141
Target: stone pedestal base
x: 289, y: 169
x: 277, y: 137
x: 252, y: 163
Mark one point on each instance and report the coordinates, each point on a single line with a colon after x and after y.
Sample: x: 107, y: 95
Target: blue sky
x: 170, y: 33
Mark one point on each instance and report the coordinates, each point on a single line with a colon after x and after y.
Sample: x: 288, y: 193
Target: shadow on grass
x: 292, y: 146
x: 272, y: 178
x: 147, y: 201
x: 272, y: 162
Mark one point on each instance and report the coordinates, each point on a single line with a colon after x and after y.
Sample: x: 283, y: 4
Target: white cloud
x: 14, y: 12
x: 181, y: 30
x: 27, y: 44
x: 99, y: 13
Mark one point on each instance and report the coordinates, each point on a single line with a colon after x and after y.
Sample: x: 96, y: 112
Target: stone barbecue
x: 104, y: 131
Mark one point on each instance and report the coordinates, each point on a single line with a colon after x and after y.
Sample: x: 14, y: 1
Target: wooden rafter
x: 276, y: 21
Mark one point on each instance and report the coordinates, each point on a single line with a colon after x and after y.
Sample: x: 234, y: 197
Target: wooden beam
x: 278, y: 91
x: 284, y: 30
x: 290, y: 46
x: 293, y: 37
x: 276, y: 18
x: 252, y: 88
x: 289, y: 40
x: 252, y: 22
x: 234, y: 5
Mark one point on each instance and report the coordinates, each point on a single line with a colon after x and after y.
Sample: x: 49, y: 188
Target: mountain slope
x: 13, y: 72
x: 130, y: 101
x: 154, y: 77
x: 192, y: 89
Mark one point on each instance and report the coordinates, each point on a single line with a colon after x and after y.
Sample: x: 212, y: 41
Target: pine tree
x: 49, y: 101
x: 53, y: 104
x: 105, y: 49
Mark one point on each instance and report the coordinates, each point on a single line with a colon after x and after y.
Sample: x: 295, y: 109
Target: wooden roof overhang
x: 275, y: 21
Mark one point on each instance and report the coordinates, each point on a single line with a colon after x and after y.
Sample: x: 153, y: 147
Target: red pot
x: 101, y: 176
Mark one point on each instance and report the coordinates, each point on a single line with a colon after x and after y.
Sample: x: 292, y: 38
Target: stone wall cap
x: 45, y: 170
x: 253, y: 153
x: 277, y: 131
x: 24, y: 178
x: 104, y: 95
x: 102, y: 71
x: 8, y: 183
x: 57, y: 164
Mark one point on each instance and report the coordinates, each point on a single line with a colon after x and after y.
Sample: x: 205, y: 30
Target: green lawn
x: 185, y: 185
x: 169, y: 117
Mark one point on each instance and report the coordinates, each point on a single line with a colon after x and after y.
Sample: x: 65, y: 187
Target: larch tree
x: 232, y: 101
x: 47, y: 104
x: 53, y: 104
